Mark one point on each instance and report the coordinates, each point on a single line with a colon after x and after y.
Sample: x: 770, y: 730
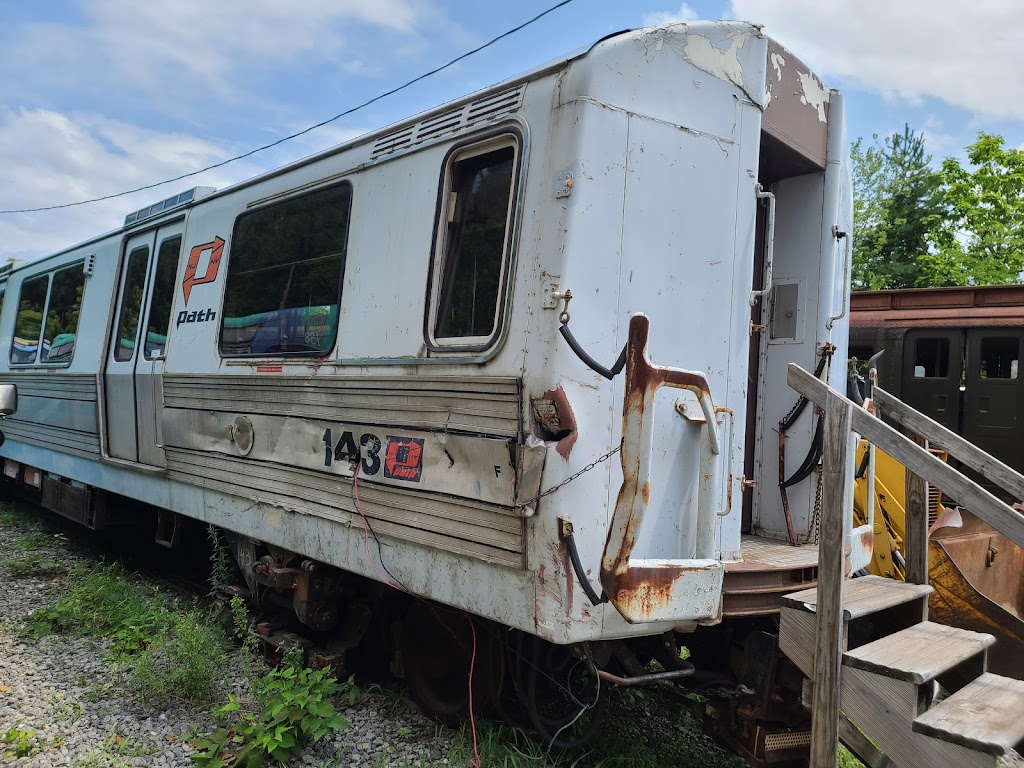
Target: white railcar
x: 384, y: 321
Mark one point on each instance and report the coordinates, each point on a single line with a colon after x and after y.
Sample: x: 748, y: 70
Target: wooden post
x: 828, y: 648
x: 916, y: 527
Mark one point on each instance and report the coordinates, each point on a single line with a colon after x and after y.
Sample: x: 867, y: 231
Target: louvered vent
x: 450, y: 122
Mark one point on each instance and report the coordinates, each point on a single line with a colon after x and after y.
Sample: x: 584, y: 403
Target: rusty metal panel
x: 648, y: 590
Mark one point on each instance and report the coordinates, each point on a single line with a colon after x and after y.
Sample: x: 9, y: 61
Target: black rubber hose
x: 863, y: 468
x: 581, y: 575
x: 812, y: 458
x: 608, y: 373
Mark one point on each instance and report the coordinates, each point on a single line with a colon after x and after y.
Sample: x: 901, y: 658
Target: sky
x: 101, y: 96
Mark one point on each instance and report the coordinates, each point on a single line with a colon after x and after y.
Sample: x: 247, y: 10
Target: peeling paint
x: 725, y: 65
x: 814, y: 93
x: 778, y: 62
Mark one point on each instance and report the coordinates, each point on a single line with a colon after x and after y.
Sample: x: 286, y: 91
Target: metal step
x: 985, y: 715
x: 920, y: 653
x: 863, y: 596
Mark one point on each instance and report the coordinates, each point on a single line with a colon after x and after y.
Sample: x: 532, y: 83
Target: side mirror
x: 8, y: 399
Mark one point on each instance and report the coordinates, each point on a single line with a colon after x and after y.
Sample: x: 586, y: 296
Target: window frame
x: 155, y: 273
x: 49, y: 275
x: 305, y: 192
x: 474, y: 146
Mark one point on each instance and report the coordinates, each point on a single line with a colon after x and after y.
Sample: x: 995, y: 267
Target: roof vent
x: 504, y: 103
x: 175, y: 201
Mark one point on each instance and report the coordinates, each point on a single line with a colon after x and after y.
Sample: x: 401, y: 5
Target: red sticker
x: 404, y: 458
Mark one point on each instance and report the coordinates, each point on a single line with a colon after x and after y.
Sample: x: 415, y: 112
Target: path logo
x: 216, y: 249
x: 404, y: 458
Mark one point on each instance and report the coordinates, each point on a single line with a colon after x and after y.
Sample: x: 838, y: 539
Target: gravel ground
x: 84, y: 716
x: 78, y: 710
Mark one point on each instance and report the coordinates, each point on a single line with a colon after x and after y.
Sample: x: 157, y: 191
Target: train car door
x: 994, y: 395
x: 134, y: 367
x: 932, y: 364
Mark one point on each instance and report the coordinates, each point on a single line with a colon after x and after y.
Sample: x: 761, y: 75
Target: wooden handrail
x: 979, y: 501
x: 987, y: 466
x: 841, y: 417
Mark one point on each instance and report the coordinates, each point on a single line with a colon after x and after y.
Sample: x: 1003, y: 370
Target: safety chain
x: 812, y: 529
x: 590, y: 466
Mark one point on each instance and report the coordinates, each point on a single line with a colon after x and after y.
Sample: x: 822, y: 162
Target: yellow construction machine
x: 977, y: 574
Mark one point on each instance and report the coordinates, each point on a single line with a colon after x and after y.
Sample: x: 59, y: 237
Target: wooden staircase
x: 888, y: 684
x: 872, y: 656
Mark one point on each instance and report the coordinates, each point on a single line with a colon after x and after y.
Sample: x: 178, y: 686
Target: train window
x: 476, y: 217
x: 29, y: 321
x: 131, y: 304
x: 284, y: 276
x: 999, y: 358
x: 163, y: 294
x: 62, y: 311
x: 931, y: 358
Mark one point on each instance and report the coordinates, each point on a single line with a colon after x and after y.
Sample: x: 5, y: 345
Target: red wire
x: 475, y: 762
x: 366, y: 529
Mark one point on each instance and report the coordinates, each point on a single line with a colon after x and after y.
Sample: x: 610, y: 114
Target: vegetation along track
x: 104, y: 662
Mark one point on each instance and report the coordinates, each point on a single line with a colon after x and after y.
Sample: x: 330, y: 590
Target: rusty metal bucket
x: 978, y: 577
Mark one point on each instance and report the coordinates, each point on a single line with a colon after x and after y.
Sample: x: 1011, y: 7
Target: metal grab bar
x: 659, y: 590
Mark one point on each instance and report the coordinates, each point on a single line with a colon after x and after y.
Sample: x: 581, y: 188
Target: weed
x: 223, y: 569
x: 186, y: 665
x: 105, y: 602
x: 117, y: 752
x: 13, y: 517
x: 63, y: 708
x: 847, y: 759
x: 295, y: 710
x: 36, y: 564
x: 22, y: 742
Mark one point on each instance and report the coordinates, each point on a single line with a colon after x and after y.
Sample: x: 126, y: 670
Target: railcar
x: 953, y: 354
x: 521, y: 357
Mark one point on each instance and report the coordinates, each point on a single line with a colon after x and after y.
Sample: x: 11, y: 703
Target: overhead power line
x: 304, y: 131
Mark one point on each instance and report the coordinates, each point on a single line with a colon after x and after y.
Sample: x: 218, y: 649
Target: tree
x: 897, y: 208
x: 981, y: 239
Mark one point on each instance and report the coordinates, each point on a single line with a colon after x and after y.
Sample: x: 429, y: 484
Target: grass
x: 169, y: 651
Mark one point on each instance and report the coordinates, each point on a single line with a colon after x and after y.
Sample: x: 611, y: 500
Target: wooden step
x: 863, y: 596
x: 920, y: 653
x: 987, y: 716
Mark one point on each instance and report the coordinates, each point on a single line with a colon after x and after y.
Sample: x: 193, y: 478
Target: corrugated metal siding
x: 489, y: 407
x: 482, y: 405
x: 55, y: 410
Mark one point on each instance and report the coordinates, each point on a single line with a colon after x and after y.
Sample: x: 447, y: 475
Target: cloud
x: 909, y: 50
x: 76, y: 157
x: 201, y: 46
x: 684, y: 14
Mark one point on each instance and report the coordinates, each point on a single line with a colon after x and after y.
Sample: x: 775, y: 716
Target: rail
x: 843, y: 416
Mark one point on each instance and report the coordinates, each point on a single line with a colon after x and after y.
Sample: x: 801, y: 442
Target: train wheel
x: 437, y: 648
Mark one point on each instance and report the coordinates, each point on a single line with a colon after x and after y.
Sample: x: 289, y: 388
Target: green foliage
x: 296, y: 709
x: 187, y: 665
x: 981, y: 240
x: 22, y: 742
x: 223, y: 569
x: 897, y: 208
x: 106, y: 603
x: 847, y: 760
